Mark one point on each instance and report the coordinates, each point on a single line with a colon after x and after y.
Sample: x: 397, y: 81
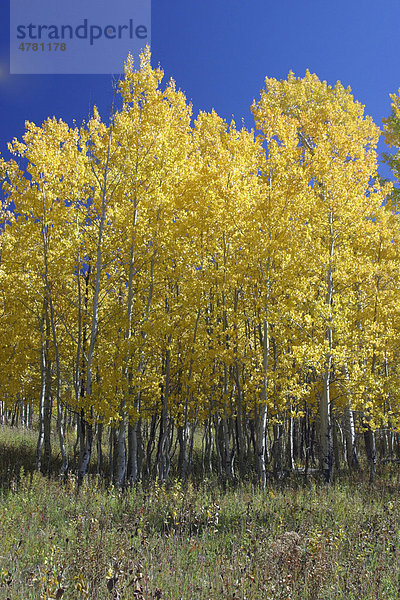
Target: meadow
x: 194, y: 540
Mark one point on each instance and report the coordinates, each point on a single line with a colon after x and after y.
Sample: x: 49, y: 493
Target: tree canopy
x: 179, y: 280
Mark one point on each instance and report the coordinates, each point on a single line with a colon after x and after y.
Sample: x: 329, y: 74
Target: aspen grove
x: 196, y: 296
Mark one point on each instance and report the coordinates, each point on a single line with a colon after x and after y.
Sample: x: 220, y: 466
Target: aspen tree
x: 391, y: 130
x: 159, y: 278
x: 153, y: 127
x: 40, y: 202
x: 227, y: 164
x: 336, y: 153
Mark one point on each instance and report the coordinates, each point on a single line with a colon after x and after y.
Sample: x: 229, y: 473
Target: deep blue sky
x: 219, y: 52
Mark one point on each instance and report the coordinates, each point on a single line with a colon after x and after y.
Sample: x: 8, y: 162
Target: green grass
x: 194, y: 541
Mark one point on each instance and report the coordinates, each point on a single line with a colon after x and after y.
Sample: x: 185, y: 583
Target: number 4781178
x: 42, y: 47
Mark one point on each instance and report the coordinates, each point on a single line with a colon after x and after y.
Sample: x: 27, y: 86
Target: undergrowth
x: 195, y: 540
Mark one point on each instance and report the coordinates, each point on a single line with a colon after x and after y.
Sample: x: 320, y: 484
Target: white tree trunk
x: 326, y: 444
x: 261, y: 421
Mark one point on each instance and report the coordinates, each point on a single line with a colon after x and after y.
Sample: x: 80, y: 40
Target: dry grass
x: 195, y: 541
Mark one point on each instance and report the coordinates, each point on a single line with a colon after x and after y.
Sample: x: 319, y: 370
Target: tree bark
x: 326, y: 442
x: 370, y: 449
x: 261, y: 411
x: 163, y: 448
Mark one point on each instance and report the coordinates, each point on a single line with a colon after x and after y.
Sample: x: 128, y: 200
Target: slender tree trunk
x: 350, y: 438
x: 150, y: 443
x: 183, y: 436
x: 122, y: 460
x: 226, y: 451
x: 121, y: 435
x: 42, y: 399
x: 191, y: 443
x: 163, y: 453
x: 277, y: 450
x: 335, y: 441
x: 289, y: 448
x: 133, y: 468
x: 239, y: 423
x: 261, y: 411
x: 326, y: 442
x: 134, y: 430
x: 60, y: 430
x: 84, y: 463
x: 219, y: 445
x: 99, y: 440
x: 370, y: 449
x: 111, y: 453
x: 207, y: 445
x: 350, y: 432
x: 48, y: 406
x: 87, y: 450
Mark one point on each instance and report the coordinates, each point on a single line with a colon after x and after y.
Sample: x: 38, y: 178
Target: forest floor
x: 195, y: 540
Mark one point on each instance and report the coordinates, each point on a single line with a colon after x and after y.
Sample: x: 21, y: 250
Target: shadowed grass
x: 17, y: 450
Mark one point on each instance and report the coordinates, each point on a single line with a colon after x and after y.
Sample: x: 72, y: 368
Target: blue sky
x: 219, y: 52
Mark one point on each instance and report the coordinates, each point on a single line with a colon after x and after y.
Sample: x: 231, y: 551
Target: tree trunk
x: 289, y: 448
x: 87, y: 451
x: 239, y: 423
x: 349, y: 431
x: 121, y: 456
x: 261, y: 412
x: 85, y: 460
x: 370, y: 449
x: 135, y: 452
x: 183, y: 435
x: 48, y: 406
x: 277, y: 453
x: 41, y: 401
x: 64, y: 466
x: 350, y: 438
x: 99, y: 439
x: 326, y: 443
x: 163, y: 447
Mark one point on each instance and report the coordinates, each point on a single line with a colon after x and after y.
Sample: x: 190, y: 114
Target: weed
x: 195, y: 540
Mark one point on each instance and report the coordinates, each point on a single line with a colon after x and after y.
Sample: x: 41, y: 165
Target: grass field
x: 194, y: 541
